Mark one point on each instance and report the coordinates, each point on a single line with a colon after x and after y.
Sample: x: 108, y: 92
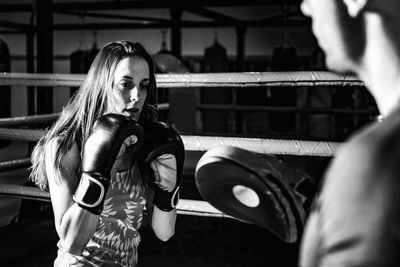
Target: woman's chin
x: 134, y: 116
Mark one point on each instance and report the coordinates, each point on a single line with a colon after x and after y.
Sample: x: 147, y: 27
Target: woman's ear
x: 355, y: 7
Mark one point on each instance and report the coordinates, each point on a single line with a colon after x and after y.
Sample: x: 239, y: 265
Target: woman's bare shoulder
x: 70, y: 161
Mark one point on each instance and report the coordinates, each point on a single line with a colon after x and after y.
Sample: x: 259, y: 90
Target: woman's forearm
x: 76, y: 228
x: 163, y: 223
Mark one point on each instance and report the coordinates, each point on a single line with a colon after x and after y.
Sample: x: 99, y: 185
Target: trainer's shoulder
x: 379, y: 141
x: 369, y: 151
x: 351, y: 168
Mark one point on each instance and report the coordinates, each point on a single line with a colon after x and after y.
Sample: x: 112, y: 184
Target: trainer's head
x: 340, y: 31
x: 120, y: 80
x: 361, y: 37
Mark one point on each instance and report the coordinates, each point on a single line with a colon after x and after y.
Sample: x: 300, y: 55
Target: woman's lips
x: 132, y: 111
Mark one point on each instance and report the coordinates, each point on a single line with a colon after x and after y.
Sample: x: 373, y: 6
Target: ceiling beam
x: 110, y: 16
x: 136, y: 4
x: 282, y: 16
x: 217, y: 16
x: 16, y: 8
x: 184, y: 24
x: 15, y: 25
x: 12, y: 32
x: 110, y: 5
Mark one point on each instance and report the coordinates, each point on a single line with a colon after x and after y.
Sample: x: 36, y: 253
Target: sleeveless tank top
x: 116, y: 239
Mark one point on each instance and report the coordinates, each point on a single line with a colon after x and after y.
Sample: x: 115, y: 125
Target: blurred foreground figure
x: 356, y: 217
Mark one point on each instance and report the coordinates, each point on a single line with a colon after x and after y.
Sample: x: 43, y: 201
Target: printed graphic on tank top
x: 116, y: 239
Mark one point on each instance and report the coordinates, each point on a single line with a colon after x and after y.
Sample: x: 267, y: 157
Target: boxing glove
x: 163, y: 149
x: 149, y: 115
x: 100, y: 151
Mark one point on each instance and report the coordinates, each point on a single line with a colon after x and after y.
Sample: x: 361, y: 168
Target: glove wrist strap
x: 91, y: 192
x: 164, y: 200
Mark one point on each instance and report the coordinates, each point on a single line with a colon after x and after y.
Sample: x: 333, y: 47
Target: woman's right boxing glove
x: 100, y: 151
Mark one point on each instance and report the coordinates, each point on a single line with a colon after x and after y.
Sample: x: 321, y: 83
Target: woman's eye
x: 145, y: 86
x: 125, y: 84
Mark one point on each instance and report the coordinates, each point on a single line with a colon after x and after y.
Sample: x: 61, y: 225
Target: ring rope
x: 185, y: 206
x: 256, y: 79
x: 163, y: 106
x: 192, y: 143
x: 15, y: 164
x: 199, y: 208
x: 28, y: 120
x: 47, y: 118
x: 264, y: 146
x: 204, y: 143
x: 25, y: 192
x: 312, y: 110
x: 21, y: 134
x: 177, y: 80
x: 40, y: 79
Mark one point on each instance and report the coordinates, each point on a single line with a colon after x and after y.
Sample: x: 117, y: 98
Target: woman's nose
x: 134, y: 94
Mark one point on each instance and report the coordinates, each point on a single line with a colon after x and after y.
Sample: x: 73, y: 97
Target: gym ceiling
x: 19, y: 15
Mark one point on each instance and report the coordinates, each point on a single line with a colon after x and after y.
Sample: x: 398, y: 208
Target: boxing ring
x: 10, y: 127
x: 25, y: 129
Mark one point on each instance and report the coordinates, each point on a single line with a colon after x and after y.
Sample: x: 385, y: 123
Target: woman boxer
x: 96, y: 158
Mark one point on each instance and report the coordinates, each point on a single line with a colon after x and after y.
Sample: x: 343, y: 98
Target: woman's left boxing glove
x: 163, y: 149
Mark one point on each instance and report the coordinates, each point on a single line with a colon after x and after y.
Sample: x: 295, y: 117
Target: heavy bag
x: 283, y: 59
x: 77, y: 65
x: 5, y: 91
x: 215, y: 59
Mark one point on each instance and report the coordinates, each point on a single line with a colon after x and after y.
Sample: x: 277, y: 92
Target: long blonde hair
x: 89, y: 103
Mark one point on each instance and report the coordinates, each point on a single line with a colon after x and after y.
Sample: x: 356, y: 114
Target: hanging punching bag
x: 77, y: 65
x: 320, y: 125
x: 181, y: 100
x: 91, y: 53
x: 5, y: 91
x: 215, y: 59
x: 166, y: 62
x: 284, y: 58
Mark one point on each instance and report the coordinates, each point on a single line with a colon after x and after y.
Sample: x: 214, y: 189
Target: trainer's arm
x: 75, y: 226
x: 352, y: 224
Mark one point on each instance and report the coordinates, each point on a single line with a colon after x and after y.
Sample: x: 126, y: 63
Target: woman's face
x: 131, y: 82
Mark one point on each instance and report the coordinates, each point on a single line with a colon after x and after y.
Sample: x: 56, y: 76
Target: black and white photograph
x: 147, y: 133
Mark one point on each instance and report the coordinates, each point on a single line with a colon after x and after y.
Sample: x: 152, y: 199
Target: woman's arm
x: 163, y: 148
x: 163, y: 223
x: 75, y: 226
x: 166, y: 196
